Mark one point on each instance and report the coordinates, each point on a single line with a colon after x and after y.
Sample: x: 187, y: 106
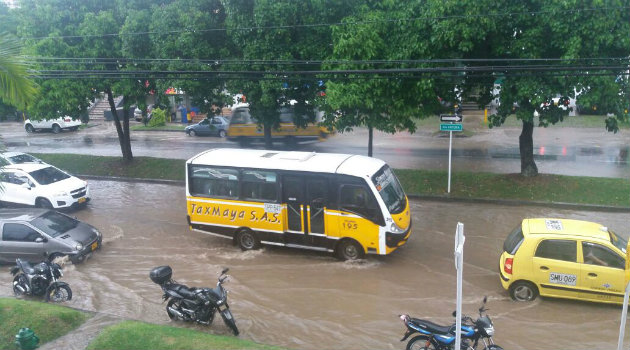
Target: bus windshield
x: 390, y: 190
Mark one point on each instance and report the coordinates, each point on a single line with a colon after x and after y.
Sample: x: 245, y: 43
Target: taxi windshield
x: 390, y: 190
x: 618, y: 242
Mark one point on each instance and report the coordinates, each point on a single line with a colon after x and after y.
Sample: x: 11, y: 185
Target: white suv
x: 56, y: 125
x: 41, y: 185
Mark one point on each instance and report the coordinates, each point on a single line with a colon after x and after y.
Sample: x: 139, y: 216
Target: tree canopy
x: 383, y: 63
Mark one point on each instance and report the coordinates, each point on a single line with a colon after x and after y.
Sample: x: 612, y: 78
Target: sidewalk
x: 81, y: 337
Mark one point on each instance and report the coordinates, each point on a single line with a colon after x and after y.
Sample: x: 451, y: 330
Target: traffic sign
x: 451, y: 118
x: 451, y: 127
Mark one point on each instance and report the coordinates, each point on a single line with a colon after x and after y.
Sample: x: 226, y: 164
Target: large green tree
x: 279, y: 34
x: 199, y: 44
x: 572, y: 31
x: 379, y: 36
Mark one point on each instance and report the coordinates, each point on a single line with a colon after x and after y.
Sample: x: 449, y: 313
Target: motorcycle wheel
x: 228, y: 318
x: 21, y: 280
x: 175, y: 304
x: 58, y: 294
x: 420, y: 342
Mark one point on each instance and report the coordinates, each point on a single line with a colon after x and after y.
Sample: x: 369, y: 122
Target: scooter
x: 191, y: 303
x: 437, y: 337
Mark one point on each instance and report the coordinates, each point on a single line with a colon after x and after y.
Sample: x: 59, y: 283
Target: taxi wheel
x: 222, y: 133
x: 523, y: 291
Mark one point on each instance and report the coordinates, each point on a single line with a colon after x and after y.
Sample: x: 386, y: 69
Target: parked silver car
x: 38, y: 234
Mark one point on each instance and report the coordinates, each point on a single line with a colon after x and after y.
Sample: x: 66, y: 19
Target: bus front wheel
x: 247, y: 240
x: 349, y: 250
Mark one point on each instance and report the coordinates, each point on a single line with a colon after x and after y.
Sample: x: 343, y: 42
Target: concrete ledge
x: 507, y: 202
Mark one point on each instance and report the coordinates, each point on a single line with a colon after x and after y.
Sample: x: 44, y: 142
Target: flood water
x: 309, y: 300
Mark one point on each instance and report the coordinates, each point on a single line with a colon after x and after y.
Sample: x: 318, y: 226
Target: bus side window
x: 211, y: 182
x: 260, y: 185
x: 357, y: 199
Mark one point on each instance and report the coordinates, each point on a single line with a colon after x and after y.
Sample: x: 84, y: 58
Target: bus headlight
x: 393, y: 228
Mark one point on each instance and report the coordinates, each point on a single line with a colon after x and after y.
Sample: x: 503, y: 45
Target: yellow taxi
x: 563, y: 258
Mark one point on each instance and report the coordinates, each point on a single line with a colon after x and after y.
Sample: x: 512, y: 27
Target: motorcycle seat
x: 25, y: 266
x: 182, y: 290
x: 431, y: 327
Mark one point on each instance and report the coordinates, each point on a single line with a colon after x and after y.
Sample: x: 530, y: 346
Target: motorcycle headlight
x: 79, y: 246
x: 489, y: 331
x: 395, y: 229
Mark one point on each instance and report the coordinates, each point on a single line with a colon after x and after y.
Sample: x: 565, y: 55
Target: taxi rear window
x: 513, y: 240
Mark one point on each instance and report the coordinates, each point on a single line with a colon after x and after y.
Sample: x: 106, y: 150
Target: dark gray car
x: 210, y: 126
x: 38, y: 234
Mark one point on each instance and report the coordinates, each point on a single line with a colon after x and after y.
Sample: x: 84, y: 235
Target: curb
x: 507, y: 202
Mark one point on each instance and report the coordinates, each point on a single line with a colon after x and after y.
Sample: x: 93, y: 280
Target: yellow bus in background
x: 244, y: 128
x: 349, y: 205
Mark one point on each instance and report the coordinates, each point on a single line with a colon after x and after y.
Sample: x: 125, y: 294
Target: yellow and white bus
x: 347, y: 204
x: 244, y: 127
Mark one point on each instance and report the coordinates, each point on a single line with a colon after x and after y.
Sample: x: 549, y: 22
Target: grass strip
x: 48, y: 321
x: 542, y: 188
x: 133, y: 335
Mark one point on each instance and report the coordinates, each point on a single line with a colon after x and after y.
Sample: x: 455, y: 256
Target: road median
x: 595, y: 193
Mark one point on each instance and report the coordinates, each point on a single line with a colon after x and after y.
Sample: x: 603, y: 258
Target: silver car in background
x: 39, y: 234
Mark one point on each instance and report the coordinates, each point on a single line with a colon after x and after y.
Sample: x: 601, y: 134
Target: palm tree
x: 16, y: 88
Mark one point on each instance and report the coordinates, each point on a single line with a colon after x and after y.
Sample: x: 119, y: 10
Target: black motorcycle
x: 436, y: 337
x: 194, y: 304
x: 40, y: 279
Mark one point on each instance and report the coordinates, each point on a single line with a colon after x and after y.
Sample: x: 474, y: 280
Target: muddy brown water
x: 308, y: 300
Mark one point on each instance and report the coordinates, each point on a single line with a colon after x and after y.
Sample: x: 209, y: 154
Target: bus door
x: 306, y: 198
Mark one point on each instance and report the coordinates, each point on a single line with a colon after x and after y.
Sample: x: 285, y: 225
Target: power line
x: 216, y: 62
x: 337, y: 24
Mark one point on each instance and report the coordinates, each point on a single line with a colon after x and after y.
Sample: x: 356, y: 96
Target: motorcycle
x: 194, y: 304
x: 40, y: 279
x: 436, y: 337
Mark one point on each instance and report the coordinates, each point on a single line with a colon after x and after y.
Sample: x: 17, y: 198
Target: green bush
x: 158, y: 118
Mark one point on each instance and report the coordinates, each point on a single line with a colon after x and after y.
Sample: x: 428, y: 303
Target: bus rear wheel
x: 247, y: 240
x: 349, y: 250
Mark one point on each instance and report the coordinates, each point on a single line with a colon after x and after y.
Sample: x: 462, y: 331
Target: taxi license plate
x: 94, y: 245
x: 81, y: 200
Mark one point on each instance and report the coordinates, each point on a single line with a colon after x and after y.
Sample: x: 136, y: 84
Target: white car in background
x: 41, y: 185
x: 56, y: 125
x: 7, y: 158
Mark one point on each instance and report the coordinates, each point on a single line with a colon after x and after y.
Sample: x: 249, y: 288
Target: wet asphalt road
x: 565, y: 151
x: 308, y: 300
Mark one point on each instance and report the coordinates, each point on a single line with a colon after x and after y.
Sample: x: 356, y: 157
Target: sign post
x: 456, y: 118
x: 624, y: 316
x: 459, y: 265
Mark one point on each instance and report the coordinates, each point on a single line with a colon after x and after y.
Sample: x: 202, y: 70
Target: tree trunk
x: 526, y: 146
x: 123, y: 138
x: 126, y: 131
x: 370, y: 139
x: 268, y: 140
